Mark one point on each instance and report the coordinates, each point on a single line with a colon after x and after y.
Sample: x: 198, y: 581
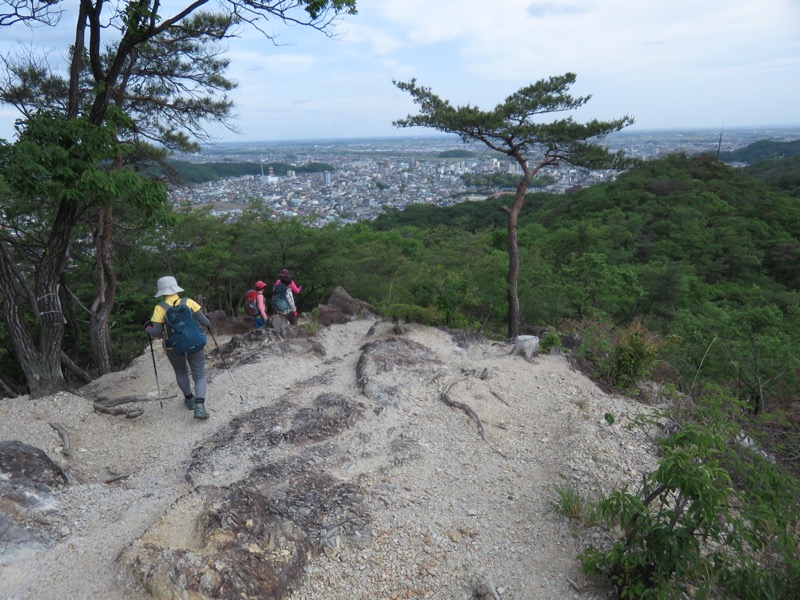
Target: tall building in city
x: 326, y: 177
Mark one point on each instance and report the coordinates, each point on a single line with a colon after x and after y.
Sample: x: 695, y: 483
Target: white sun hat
x: 166, y: 286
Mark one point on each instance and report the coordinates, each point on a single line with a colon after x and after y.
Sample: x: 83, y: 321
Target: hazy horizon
x: 718, y: 63
x: 783, y: 130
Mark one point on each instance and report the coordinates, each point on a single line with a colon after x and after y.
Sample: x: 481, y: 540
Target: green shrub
x: 549, y: 341
x: 569, y: 501
x: 411, y: 313
x: 703, y: 521
x: 619, y: 356
x: 633, y: 354
x: 311, y: 324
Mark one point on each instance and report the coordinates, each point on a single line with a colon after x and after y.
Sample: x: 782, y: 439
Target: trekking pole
x: 224, y: 362
x: 158, y: 385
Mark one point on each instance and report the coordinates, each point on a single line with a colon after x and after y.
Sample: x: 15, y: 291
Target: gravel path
x: 450, y: 511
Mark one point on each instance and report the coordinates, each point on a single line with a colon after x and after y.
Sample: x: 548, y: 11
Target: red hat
x: 285, y: 273
x: 260, y: 285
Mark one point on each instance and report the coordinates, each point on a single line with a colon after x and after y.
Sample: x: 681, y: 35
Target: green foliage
x: 311, y: 323
x: 456, y: 154
x: 502, y: 181
x: 591, y: 286
x: 549, y: 341
x: 618, y: 356
x: 748, y: 344
x: 762, y: 150
x: 449, y: 292
x: 569, y: 501
x: 212, y: 171
x: 60, y: 159
x: 690, y: 524
x: 411, y: 313
x: 633, y: 353
x: 781, y: 174
x: 471, y: 216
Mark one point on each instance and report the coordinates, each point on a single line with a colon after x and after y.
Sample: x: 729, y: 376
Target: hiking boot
x: 200, y: 411
x: 189, y: 401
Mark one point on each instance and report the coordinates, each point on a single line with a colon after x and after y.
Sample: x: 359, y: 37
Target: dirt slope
x: 452, y: 500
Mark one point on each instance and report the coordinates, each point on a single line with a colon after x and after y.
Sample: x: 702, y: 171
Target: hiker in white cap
x: 183, y: 359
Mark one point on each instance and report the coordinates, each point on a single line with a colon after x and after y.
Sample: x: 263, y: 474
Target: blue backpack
x: 279, y: 301
x: 183, y: 331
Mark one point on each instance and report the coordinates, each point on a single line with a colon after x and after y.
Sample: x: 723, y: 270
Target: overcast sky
x: 672, y: 65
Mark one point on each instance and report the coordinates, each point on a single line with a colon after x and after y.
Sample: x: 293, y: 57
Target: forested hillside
x: 761, y: 151
x: 188, y: 172
x: 683, y: 272
x: 682, y: 246
x: 782, y: 174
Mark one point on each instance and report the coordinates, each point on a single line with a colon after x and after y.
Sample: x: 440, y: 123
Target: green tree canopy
x: 514, y: 128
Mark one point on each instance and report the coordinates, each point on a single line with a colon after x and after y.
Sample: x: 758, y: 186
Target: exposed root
x: 577, y: 588
x: 445, y: 397
x: 483, y: 375
x: 485, y: 589
x: 64, y: 438
x: 435, y: 376
x: 111, y: 406
x: 116, y: 478
x: 496, y: 395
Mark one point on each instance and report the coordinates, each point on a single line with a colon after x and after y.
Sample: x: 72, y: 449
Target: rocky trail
x: 369, y: 461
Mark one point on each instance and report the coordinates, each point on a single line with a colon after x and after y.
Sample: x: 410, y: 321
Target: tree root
x: 577, y: 588
x: 496, y: 395
x: 75, y: 369
x: 116, y: 478
x: 445, y: 397
x: 111, y: 406
x: 485, y: 589
x: 64, y: 437
x: 483, y: 375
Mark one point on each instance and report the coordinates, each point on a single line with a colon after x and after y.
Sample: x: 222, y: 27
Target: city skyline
x: 683, y: 65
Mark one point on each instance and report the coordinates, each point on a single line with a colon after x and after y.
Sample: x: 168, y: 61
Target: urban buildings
x: 370, y: 175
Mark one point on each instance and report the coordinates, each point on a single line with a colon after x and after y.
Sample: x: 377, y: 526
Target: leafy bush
x: 412, y: 313
x: 549, y: 341
x: 618, y: 356
x: 705, y: 521
x: 633, y: 353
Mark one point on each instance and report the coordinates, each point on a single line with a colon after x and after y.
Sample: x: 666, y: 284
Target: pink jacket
x: 292, y: 286
x: 262, y: 310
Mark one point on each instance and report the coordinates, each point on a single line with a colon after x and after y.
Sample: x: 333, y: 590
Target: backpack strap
x: 166, y: 306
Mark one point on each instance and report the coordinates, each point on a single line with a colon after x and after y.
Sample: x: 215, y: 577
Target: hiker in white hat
x: 176, y: 320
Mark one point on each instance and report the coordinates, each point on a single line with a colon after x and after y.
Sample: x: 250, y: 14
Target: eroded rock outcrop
x: 341, y: 307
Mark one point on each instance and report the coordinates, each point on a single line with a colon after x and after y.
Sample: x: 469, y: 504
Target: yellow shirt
x: 159, y: 311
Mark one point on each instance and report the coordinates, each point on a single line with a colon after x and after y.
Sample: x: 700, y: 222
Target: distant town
x: 369, y: 175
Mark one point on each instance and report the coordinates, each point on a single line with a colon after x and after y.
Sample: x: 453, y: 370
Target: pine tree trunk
x: 100, y: 334
x: 512, y: 280
x: 38, y: 347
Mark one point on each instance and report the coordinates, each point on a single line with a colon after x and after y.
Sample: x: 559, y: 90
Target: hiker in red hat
x: 261, y: 318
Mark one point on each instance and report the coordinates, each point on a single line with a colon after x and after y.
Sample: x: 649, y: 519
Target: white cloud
x: 670, y: 64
